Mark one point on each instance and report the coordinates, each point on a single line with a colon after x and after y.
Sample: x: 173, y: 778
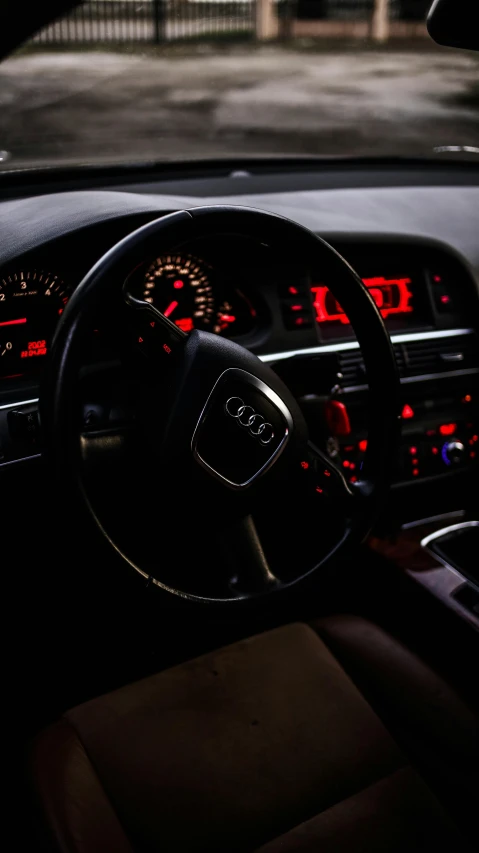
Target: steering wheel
x: 218, y: 437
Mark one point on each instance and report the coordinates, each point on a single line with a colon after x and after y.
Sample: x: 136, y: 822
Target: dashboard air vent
x: 417, y: 358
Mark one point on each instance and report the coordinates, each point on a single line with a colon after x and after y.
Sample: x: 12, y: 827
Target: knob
x: 453, y: 452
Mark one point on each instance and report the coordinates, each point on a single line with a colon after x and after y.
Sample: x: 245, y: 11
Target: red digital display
x: 35, y: 348
x: 391, y: 295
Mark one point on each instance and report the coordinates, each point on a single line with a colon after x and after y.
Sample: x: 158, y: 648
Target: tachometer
x: 31, y: 302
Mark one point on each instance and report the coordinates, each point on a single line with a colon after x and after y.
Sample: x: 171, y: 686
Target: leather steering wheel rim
x: 289, y: 240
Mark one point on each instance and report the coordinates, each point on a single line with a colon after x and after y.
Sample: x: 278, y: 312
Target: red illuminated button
x: 413, y: 450
x: 407, y: 412
x: 448, y: 429
x: 337, y: 418
x: 363, y: 445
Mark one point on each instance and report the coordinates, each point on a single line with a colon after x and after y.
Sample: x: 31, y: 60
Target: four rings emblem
x: 251, y: 420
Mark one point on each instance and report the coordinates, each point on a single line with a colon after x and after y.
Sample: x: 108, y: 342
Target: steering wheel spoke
x: 248, y: 566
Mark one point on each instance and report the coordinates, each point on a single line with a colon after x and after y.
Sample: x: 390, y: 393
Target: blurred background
x: 124, y: 80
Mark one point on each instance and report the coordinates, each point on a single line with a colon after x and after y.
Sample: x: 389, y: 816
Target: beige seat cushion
x: 226, y: 752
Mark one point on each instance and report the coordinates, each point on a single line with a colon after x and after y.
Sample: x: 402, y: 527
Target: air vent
x: 417, y: 358
x: 439, y: 356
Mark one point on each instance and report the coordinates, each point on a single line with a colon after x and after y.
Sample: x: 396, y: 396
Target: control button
x: 337, y: 418
x: 453, y: 452
x: 448, y: 429
x: 24, y: 426
x: 407, y: 412
x: 299, y: 288
x: 442, y: 293
x: 297, y: 315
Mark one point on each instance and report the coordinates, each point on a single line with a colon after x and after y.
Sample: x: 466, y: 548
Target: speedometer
x: 184, y: 289
x: 180, y: 287
x: 31, y: 302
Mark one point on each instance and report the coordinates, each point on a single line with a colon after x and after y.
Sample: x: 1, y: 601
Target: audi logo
x: 246, y: 417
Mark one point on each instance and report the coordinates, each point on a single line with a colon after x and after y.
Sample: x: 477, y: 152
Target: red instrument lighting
x: 353, y: 479
x: 415, y: 472
x: 305, y: 465
x: 434, y: 451
x: 185, y: 323
x: 227, y: 318
x: 391, y: 295
x: 14, y: 322
x: 413, y: 451
x: 35, y: 348
x: 326, y: 473
x: 319, y: 490
x: 363, y: 445
x: 472, y: 454
x: 414, y: 461
x: 293, y: 291
x: 166, y: 348
x: 346, y: 463
x: 170, y: 309
x: 445, y: 299
x: 437, y: 279
x: 467, y: 398
x: 178, y: 284
x: 407, y: 412
x: 447, y: 429
x: 299, y: 321
x: 296, y: 307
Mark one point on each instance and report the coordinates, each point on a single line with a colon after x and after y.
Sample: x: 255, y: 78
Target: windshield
x: 167, y: 80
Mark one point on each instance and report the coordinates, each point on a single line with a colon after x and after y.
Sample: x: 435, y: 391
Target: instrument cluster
x: 187, y: 289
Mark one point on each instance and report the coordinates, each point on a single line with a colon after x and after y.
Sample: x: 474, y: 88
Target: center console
x: 427, y: 299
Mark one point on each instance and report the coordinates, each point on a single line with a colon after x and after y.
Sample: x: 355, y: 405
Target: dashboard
x: 424, y: 285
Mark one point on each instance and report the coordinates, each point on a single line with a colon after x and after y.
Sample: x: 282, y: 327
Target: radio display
x: 393, y: 296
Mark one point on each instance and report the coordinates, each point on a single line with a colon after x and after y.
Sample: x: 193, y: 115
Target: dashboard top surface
x: 448, y: 215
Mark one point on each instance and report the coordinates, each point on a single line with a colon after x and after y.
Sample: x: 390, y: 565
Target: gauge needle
x: 170, y: 309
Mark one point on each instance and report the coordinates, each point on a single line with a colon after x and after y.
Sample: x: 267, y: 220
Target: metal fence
x: 153, y: 21
x: 159, y: 21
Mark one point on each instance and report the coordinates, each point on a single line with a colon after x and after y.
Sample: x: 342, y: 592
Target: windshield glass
x: 162, y: 80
